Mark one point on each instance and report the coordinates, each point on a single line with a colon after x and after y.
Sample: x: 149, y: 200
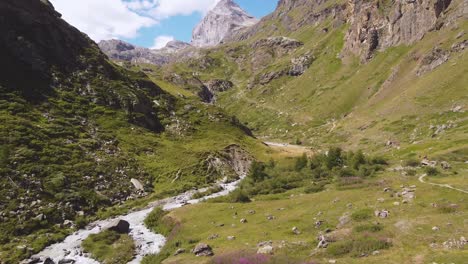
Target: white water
x: 146, y: 242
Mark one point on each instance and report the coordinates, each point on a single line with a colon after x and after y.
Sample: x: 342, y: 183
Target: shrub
x: 257, y: 172
x: 334, y: 158
x: 340, y: 248
x: 431, y: 171
x: 158, y: 223
x: 411, y: 172
x: 359, y: 247
x: 301, y: 162
x: 411, y: 163
x: 314, y: 188
x: 239, y: 196
x: 368, y: 228
x: 367, y: 245
x: 110, y: 247
x: 362, y: 214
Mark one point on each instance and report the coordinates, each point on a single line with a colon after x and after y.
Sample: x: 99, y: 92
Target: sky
x: 146, y: 23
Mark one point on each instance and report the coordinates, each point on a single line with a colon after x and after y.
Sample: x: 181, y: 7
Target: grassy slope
x: 409, y: 226
x: 61, y: 150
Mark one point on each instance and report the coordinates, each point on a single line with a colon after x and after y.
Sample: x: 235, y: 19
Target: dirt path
x: 421, y: 179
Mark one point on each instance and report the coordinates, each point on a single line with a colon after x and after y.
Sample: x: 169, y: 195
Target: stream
x: 146, y: 242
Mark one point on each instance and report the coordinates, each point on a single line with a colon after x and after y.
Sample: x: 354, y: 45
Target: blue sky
x: 147, y: 23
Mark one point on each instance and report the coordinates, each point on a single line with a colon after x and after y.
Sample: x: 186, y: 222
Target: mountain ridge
x: 222, y: 21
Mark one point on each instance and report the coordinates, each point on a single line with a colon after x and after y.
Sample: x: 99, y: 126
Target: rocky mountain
x: 224, y: 20
x: 361, y: 108
x: 120, y: 50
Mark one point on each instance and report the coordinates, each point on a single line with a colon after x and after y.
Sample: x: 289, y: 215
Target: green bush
x: 359, y: 247
x: 362, y: 214
x: 314, y: 188
x: 257, y: 172
x: 340, y: 248
x: 110, y: 247
x: 367, y: 245
x: 301, y: 162
x: 239, y: 196
x: 368, y: 228
x: 157, y: 222
x: 411, y: 163
x: 431, y: 171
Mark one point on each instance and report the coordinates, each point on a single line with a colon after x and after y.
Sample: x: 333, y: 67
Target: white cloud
x: 107, y: 19
x: 168, y: 8
x: 161, y: 41
x: 103, y: 19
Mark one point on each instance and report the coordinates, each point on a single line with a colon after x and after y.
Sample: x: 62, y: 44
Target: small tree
x: 357, y: 160
x: 334, y: 158
x: 301, y: 162
x: 257, y: 172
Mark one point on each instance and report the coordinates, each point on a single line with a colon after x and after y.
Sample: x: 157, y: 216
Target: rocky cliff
x: 225, y: 19
x: 380, y: 25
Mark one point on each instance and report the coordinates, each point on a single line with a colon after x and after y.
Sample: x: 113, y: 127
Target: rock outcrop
x: 376, y: 26
x: 224, y: 20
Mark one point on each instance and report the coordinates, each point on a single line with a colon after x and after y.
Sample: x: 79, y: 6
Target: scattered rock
x: 270, y: 217
x: 332, y: 261
x: 230, y: 238
x: 445, y: 165
x: 251, y: 212
x: 428, y: 163
x: 318, y: 223
x: 375, y: 253
x: 137, y: 184
x: 323, y: 243
x: 381, y: 200
x: 179, y: 251
x: 457, y: 109
x: 67, y: 261
x: 266, y: 250
x: 213, y: 236
x: 120, y: 226
x: 202, y: 250
x: 49, y: 261
x: 300, y: 65
x: 243, y: 221
x: 382, y: 213
x: 344, y: 219
x: 296, y: 231
x: 396, y: 203
x: 435, y: 228
x: 67, y: 223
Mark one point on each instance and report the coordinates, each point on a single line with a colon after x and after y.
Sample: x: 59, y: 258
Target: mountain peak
x: 222, y: 21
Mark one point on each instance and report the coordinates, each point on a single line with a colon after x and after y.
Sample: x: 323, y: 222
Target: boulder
x: 49, y: 261
x: 119, y: 226
x: 202, y: 250
x: 382, y: 213
x: 137, y: 184
x: 266, y: 250
x: 179, y: 251
x: 67, y: 261
x: 344, y: 219
x: 300, y: 65
x: 296, y: 231
x: 445, y: 165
